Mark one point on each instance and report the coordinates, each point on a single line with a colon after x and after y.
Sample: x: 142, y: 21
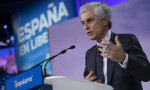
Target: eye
x: 90, y: 20
x: 82, y: 22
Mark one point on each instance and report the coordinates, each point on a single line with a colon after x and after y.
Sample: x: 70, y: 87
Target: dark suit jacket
x: 138, y: 67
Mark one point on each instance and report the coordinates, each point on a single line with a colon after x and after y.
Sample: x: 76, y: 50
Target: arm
x: 88, y: 74
x: 138, y: 64
x: 85, y: 70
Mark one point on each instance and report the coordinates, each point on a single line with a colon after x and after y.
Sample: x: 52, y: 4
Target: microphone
x: 49, y: 59
x: 64, y: 51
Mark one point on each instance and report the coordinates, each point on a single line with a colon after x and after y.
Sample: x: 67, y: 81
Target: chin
x: 92, y: 38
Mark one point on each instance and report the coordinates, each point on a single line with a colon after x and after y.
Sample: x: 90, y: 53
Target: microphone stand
x: 49, y: 59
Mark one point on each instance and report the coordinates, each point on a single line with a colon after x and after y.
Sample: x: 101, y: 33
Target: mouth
x: 89, y: 33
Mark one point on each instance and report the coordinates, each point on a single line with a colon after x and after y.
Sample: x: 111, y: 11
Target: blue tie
x: 99, y: 67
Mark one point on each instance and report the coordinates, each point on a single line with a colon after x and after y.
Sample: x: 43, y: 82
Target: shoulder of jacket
x: 127, y: 35
x: 92, y: 48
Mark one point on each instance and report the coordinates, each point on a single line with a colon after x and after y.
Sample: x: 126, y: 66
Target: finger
x: 104, y: 55
x: 89, y: 75
x: 107, y: 42
x: 98, y: 81
x: 117, y: 41
x: 103, y: 46
x: 103, y: 51
x: 93, y: 78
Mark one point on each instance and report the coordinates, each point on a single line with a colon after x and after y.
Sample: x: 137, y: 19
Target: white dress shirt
x: 123, y: 65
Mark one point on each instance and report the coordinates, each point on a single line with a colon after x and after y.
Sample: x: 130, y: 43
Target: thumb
x: 117, y: 41
x: 90, y: 74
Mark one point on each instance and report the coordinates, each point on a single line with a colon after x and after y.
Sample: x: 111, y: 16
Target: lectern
x: 65, y: 83
x: 33, y: 80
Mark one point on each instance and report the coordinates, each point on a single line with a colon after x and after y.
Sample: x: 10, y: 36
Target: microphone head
x: 63, y: 51
x: 72, y: 47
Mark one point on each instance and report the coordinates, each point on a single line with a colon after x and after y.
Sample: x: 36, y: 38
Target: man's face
x: 93, y: 26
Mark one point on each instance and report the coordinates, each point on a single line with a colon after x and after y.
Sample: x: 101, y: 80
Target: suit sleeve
x: 85, y: 70
x: 138, y: 64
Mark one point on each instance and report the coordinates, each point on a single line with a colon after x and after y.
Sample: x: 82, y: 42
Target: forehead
x: 87, y: 14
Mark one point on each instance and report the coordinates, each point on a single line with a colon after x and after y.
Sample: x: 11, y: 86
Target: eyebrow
x: 91, y: 18
x: 88, y: 19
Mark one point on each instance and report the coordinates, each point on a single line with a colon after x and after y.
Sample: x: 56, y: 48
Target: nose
x: 86, y: 26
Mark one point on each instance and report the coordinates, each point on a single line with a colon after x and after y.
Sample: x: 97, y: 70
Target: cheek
x: 98, y: 28
x: 94, y: 27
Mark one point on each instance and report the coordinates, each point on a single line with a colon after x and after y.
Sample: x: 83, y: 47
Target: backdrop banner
x: 30, y: 26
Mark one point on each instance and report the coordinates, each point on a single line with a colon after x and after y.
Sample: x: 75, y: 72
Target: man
x: 117, y: 59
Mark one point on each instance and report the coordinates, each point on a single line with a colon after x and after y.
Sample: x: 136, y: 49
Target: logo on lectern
x: 22, y: 82
x: 15, y: 83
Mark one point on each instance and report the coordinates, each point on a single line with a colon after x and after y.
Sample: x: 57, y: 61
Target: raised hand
x: 111, y: 51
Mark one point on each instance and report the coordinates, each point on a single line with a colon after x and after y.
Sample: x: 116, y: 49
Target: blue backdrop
x: 30, y: 29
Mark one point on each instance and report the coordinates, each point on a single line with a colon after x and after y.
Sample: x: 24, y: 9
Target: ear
x: 105, y: 20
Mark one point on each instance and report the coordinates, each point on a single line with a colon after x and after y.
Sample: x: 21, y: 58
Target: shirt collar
x: 107, y: 37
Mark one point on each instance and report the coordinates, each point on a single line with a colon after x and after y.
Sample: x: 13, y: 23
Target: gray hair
x: 100, y: 9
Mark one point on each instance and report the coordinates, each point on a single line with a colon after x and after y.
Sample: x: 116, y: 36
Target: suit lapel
x: 110, y: 66
x: 110, y: 63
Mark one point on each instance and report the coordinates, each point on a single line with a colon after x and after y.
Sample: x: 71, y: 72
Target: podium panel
x: 25, y: 80
x: 65, y: 83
